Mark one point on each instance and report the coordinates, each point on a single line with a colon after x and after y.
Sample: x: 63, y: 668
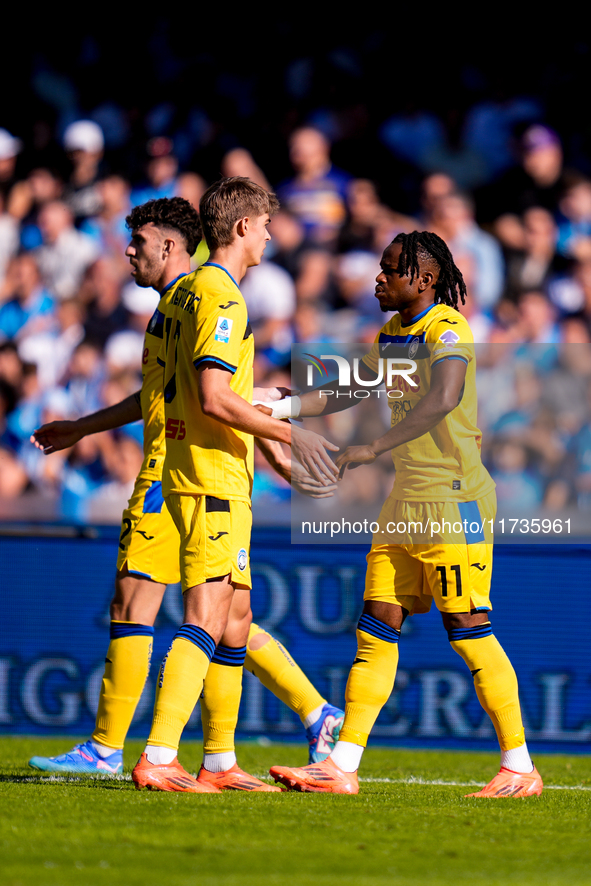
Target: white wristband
x: 289, y: 407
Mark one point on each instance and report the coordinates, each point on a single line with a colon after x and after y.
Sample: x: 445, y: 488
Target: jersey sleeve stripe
x: 199, y: 362
x: 450, y: 357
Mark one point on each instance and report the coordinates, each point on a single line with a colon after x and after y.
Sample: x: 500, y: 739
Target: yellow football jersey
x: 445, y: 463
x: 205, y: 321
x: 151, y: 395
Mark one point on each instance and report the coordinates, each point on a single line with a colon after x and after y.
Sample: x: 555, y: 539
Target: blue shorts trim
x: 470, y: 515
x: 153, y: 499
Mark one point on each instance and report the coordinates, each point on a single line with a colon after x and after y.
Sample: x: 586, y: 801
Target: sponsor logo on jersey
x: 223, y: 329
x: 229, y: 305
x: 449, y: 338
x: 478, y: 566
x: 175, y: 429
x: 218, y: 536
x: 145, y: 534
x: 242, y: 559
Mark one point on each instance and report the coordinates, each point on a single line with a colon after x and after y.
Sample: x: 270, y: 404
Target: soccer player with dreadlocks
x: 440, y: 481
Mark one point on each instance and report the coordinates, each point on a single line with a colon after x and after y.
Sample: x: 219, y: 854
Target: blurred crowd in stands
x: 517, y: 220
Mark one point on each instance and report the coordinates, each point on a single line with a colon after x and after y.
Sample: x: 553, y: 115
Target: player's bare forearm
x: 310, y: 449
x: 420, y: 420
x: 443, y: 396
x: 57, y: 435
x: 220, y: 402
x: 317, y: 402
x: 275, y: 456
x: 425, y: 416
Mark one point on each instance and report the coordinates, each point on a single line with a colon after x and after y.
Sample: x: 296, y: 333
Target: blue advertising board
x: 54, y: 612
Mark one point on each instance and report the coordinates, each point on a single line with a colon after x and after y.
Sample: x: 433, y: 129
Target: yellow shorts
x: 149, y: 541
x: 215, y: 539
x: 457, y: 576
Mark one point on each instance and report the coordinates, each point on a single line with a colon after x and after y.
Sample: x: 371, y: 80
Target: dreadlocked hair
x: 422, y: 246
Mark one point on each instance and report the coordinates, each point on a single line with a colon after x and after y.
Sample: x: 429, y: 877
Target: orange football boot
x: 507, y: 783
x: 169, y: 777
x: 234, y: 779
x: 325, y: 777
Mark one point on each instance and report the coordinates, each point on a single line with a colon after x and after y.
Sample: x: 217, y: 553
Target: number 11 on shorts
x: 442, y: 570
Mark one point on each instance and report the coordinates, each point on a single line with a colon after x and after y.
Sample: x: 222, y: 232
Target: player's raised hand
x: 55, y: 436
x: 303, y: 483
x: 310, y: 450
x: 353, y: 456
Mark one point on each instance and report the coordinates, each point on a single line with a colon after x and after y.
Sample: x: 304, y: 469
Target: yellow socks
x: 275, y: 668
x: 126, y: 670
x: 371, y: 679
x: 180, y: 682
x: 494, y: 680
x: 221, y: 699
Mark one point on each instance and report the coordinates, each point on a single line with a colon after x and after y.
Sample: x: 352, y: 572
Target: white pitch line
x: 464, y: 784
x: 42, y: 778
x: 412, y: 780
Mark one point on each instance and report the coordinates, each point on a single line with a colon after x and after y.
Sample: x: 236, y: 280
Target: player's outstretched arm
x: 57, y: 435
x: 219, y: 401
x: 310, y: 450
x: 447, y: 382
x: 316, y: 402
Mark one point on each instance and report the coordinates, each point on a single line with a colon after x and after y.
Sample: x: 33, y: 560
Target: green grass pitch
x: 410, y: 824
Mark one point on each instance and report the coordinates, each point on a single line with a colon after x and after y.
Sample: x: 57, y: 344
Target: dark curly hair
x: 429, y: 248
x: 175, y: 213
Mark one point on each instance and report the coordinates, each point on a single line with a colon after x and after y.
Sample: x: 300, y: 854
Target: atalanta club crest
x: 413, y: 347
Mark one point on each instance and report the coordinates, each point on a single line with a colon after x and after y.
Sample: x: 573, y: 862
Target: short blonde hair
x: 229, y: 200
